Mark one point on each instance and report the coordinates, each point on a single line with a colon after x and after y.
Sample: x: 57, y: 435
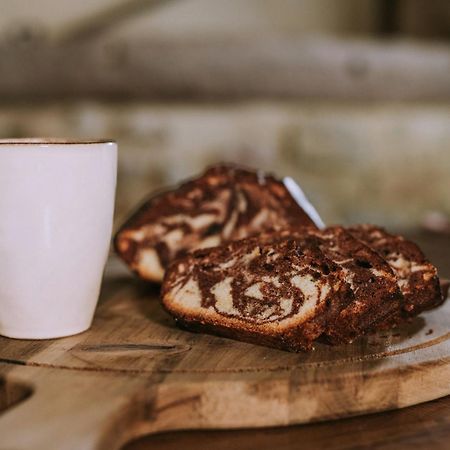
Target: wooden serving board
x: 135, y: 373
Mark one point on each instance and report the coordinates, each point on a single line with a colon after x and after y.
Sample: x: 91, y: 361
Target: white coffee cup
x: 56, y: 213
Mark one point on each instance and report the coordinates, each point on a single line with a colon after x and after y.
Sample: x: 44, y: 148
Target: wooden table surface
x: 419, y: 427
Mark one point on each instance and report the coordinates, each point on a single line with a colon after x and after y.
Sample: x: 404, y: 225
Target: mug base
x: 43, y: 334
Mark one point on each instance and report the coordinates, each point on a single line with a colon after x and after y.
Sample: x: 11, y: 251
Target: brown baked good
x: 417, y: 277
x: 223, y: 204
x: 377, y: 300
x: 253, y: 278
x: 282, y: 292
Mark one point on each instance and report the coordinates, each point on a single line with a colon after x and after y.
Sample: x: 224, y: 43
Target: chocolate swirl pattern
x: 285, y: 288
x: 416, y: 277
x: 281, y: 293
x: 376, y: 298
x: 225, y: 203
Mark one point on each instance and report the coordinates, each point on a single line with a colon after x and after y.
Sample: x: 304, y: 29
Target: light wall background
x: 380, y: 154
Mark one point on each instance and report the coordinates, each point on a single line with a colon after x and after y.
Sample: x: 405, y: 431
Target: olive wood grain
x: 135, y: 373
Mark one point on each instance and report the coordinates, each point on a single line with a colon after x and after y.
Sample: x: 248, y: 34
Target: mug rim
x: 53, y: 141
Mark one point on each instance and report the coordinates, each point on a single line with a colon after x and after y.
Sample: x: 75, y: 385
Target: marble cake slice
x: 417, y: 277
x: 223, y: 204
x: 281, y: 294
x: 375, y: 299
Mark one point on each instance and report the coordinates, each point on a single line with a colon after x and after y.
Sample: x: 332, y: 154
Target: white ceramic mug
x: 56, y: 213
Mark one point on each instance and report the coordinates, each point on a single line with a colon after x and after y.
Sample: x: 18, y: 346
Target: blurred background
x: 349, y: 97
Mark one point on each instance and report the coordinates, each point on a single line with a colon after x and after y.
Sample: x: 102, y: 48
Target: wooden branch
x: 230, y: 69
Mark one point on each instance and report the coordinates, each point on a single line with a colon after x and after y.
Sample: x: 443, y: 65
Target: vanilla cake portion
x: 224, y: 204
x: 282, y: 293
x: 417, y: 278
